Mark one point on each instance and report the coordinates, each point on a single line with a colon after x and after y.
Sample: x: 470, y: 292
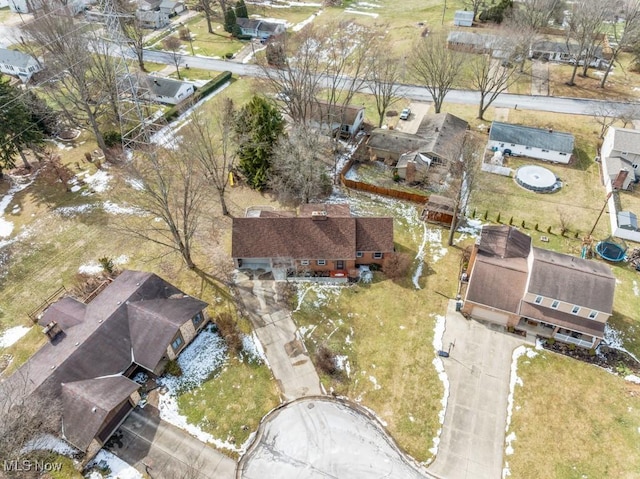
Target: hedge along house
x: 536, y: 291
x: 538, y: 143
x: 137, y: 323
x: 322, y: 241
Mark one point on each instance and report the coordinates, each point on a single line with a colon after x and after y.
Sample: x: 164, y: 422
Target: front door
x: 340, y: 264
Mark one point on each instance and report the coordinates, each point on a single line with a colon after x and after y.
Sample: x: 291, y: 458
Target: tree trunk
x: 96, y: 130
x: 585, y: 68
x: 140, y: 55
x: 178, y: 72
x: 207, y: 16
x: 437, y: 104
x: 606, y: 73
x: 573, y: 74
x: 25, y: 162
x: 223, y: 203
x: 454, y: 224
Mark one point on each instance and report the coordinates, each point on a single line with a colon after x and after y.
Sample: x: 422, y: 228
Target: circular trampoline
x: 611, y: 250
x: 537, y: 178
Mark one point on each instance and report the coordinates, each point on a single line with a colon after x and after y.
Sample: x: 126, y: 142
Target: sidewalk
x: 479, y: 368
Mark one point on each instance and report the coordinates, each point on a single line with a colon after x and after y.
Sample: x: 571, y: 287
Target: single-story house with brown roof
x: 536, y: 291
x: 323, y: 240
x: 137, y: 323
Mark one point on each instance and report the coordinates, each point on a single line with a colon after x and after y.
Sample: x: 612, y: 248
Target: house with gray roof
x: 171, y: 7
x: 323, y: 240
x: 539, y: 143
x: 620, y: 150
x: 536, y: 291
x: 566, y: 52
x: 18, y: 64
x: 257, y: 28
x: 136, y: 324
x: 166, y: 90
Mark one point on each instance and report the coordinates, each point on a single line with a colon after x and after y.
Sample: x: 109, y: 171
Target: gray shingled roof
x: 504, y: 241
x: 530, y: 136
x: 561, y: 47
x: 626, y: 140
x: 16, y: 58
x: 161, y: 86
x: 444, y: 133
x: 395, y: 141
x: 586, y: 283
x: 616, y: 163
x: 478, y: 40
x: 86, y: 405
x: 248, y: 23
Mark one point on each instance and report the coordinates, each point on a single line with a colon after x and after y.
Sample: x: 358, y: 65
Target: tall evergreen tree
x: 229, y: 20
x: 258, y: 127
x: 18, y: 129
x: 241, y: 9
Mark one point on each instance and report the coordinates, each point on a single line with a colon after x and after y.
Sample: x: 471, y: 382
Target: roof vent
x: 94, y: 409
x: 550, y: 130
x: 319, y: 215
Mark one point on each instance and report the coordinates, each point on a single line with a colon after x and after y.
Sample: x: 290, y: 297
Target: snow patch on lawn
x: 420, y: 258
x: 342, y: 363
x: 115, y: 209
x: 6, y: 227
x: 99, y: 181
x: 119, y: 469
x: 636, y: 289
x: 438, y: 334
x: 12, y: 335
x: 71, y: 211
x: 632, y: 378
x: 357, y: 12
x: 324, y: 292
x: 135, y: 183
x: 513, y: 381
x: 304, y: 23
x: 90, y: 268
x: 613, y: 338
x: 202, y: 358
x: 252, y: 346
x: 48, y: 442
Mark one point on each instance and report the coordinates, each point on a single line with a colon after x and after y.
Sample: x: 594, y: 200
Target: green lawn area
x: 384, y: 330
x: 573, y: 420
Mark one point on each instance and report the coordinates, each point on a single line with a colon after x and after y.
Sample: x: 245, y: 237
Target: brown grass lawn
x: 572, y: 421
x: 385, y: 329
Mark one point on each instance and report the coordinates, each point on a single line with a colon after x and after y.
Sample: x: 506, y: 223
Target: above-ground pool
x: 538, y: 179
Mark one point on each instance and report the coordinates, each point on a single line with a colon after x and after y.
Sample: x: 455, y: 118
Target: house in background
x: 166, y: 90
x: 152, y: 19
x: 136, y: 324
x: 563, y: 52
x: 463, y: 18
x: 345, y: 119
x: 536, y: 291
x: 620, y: 150
x: 323, y: 240
x: 538, y: 143
x: 257, y: 28
x: 18, y: 64
x: 171, y: 7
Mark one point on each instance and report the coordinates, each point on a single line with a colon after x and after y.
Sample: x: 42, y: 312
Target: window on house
x: 513, y: 144
x: 527, y: 147
x: 538, y: 300
x: 177, y: 342
x: 563, y: 154
x: 321, y: 262
x: 359, y: 254
x: 377, y: 255
x: 545, y: 151
x: 197, y: 319
x: 575, y: 310
x: 593, y: 314
x: 304, y: 262
x: 555, y: 304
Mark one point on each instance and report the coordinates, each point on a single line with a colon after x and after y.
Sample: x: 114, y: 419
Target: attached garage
x: 483, y: 314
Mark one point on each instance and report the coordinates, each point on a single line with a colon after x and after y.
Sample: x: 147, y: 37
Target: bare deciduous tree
x: 536, y: 14
x: 437, y: 66
x: 174, y: 46
x: 76, y: 90
x: 626, y: 32
x: 463, y: 172
x: 585, y: 25
x: 135, y: 33
x: 474, y: 6
x: 605, y: 115
x: 384, y: 82
x: 25, y: 415
x: 210, y: 141
x: 209, y: 12
x: 171, y: 196
x: 298, y: 174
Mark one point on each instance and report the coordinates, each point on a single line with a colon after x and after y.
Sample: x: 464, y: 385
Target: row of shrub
x: 208, y: 88
x: 523, y: 224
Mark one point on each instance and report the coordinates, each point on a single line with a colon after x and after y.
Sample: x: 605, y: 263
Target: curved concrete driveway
x: 324, y: 438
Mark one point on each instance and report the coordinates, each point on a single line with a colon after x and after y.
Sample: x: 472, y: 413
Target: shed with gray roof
x: 539, y: 143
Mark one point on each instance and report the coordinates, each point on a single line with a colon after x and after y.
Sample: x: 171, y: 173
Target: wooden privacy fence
x: 379, y: 190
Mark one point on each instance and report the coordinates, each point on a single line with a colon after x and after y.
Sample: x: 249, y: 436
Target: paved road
x: 288, y: 359
x: 577, y: 106
x: 479, y: 368
x: 164, y: 451
x: 315, y: 438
